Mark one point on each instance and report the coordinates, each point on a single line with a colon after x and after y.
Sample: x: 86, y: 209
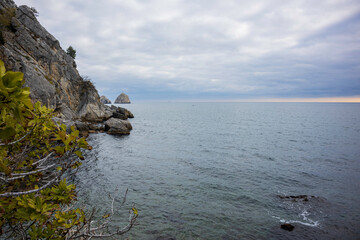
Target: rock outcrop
x: 119, y: 112
x: 49, y: 71
x: 122, y: 98
x: 117, y: 126
x: 104, y: 100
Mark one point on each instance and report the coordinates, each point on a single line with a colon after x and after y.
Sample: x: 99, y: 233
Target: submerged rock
x: 122, y: 98
x: 287, y: 227
x: 304, y: 198
x: 105, y: 100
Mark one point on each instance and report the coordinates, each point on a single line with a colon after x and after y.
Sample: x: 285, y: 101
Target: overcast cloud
x: 207, y: 49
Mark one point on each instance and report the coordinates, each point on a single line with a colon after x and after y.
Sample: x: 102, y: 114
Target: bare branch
x: 20, y: 139
x: 43, y: 159
x: 15, y: 194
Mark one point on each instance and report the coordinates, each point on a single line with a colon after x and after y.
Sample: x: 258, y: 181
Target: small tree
x: 71, y: 51
x: 35, y: 153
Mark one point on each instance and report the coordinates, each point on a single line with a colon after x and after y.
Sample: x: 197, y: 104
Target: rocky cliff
x: 122, y: 98
x: 105, y: 100
x: 50, y: 72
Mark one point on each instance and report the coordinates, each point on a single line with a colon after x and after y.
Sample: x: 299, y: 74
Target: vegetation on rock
x: 71, y: 51
x: 5, y: 17
x: 36, y: 202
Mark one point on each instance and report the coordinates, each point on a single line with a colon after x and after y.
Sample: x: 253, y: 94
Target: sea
x: 230, y: 171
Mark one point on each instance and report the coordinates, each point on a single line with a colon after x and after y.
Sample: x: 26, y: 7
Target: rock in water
x: 122, y: 98
x: 287, y: 227
x: 117, y: 126
x: 105, y: 100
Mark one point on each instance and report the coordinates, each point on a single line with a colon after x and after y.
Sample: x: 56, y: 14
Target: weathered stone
x: 126, y: 112
x: 67, y: 123
x: 82, y: 126
x: 48, y: 70
x: 105, y: 100
x: 119, y: 112
x: 52, y: 76
x: 122, y: 98
x: 117, y: 126
x: 287, y: 227
x: 97, y: 126
x: 119, y: 115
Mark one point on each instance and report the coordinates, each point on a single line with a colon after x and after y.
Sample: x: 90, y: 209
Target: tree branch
x: 15, y: 194
x: 20, y: 139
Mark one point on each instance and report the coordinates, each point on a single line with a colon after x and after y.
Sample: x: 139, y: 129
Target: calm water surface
x: 216, y: 170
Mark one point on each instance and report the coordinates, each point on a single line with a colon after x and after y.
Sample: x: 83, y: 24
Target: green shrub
x: 71, y: 51
x: 35, y: 153
x: 6, y: 15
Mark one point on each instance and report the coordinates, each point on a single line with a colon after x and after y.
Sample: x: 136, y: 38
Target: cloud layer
x: 183, y: 49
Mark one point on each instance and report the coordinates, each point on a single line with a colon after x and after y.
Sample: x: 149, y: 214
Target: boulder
x: 118, y: 126
x: 97, y: 126
x: 122, y: 98
x: 119, y: 112
x: 105, y: 100
x: 287, y: 227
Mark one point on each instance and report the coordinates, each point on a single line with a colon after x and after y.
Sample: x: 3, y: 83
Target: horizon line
x: 351, y: 99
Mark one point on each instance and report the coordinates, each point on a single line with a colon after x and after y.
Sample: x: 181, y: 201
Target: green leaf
x: 7, y: 133
x: 79, y: 154
x: 12, y: 79
x: 59, y: 150
x: 63, y: 127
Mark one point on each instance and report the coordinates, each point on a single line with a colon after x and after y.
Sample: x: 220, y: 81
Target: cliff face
x: 50, y: 73
x: 105, y: 100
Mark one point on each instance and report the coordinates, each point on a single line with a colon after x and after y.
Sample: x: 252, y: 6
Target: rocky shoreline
x: 52, y: 76
x: 117, y: 123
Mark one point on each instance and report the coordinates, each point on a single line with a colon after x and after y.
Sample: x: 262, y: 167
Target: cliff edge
x: 49, y: 71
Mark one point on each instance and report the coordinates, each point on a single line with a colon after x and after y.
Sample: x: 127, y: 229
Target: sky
x: 212, y: 50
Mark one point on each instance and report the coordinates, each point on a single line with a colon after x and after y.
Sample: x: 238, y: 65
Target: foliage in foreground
x: 36, y: 202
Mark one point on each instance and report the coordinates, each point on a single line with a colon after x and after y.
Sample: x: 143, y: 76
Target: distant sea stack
x: 122, y: 98
x: 105, y: 100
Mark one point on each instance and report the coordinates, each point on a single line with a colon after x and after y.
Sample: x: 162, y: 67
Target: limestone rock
x: 52, y: 76
x: 105, y: 100
x: 119, y: 112
x: 118, y: 126
x: 122, y: 98
x: 48, y: 70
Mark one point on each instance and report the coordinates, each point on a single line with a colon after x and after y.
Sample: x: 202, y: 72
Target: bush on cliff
x: 35, y: 153
x: 71, y: 51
